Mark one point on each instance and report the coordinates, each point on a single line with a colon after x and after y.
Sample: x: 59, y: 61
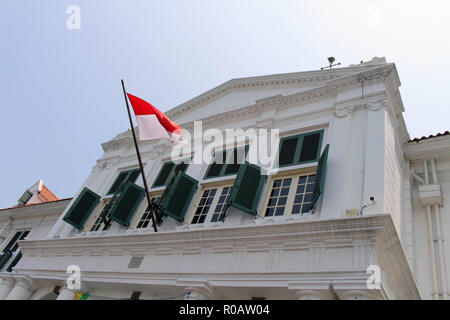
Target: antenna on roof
x: 330, y: 61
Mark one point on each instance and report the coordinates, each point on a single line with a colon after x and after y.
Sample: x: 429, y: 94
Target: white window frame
x: 141, y: 209
x: 295, y: 174
x: 219, y: 185
x: 94, y: 217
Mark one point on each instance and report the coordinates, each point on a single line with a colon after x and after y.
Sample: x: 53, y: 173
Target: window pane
x: 279, y: 211
x: 278, y: 198
x: 219, y: 212
x: 147, y: 216
x: 277, y: 183
x: 272, y: 202
x: 282, y: 201
x: 284, y: 191
x: 301, y: 188
x: 203, y: 206
x: 121, y: 177
x: 134, y: 175
x: 302, y: 180
x: 275, y: 192
x: 310, y: 147
x: 216, y: 167
x: 287, y: 150
x: 163, y: 174
x: 269, y: 212
x: 237, y: 159
x: 303, y: 195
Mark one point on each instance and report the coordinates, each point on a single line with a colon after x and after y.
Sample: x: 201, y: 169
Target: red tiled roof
x: 430, y: 136
x: 35, y: 204
x: 47, y: 194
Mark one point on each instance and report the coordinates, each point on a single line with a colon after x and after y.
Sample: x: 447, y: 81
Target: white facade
x: 323, y: 254
x: 31, y: 222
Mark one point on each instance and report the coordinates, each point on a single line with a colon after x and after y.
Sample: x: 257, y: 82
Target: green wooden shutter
x: 4, y: 257
x: 82, y: 208
x: 14, y: 262
x: 163, y: 174
x: 180, y: 195
x: 124, y: 208
x: 247, y: 188
x: 24, y: 198
x: 319, y: 186
x: 12, y: 241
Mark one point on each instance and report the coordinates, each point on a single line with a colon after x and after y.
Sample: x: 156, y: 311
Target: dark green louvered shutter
x: 247, y: 188
x: 24, y: 198
x: 14, y: 262
x: 180, y: 195
x: 319, y: 186
x: 126, y: 205
x: 4, y: 257
x: 82, y: 208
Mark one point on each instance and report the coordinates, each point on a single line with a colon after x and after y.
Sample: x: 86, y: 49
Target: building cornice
x: 37, y: 210
x: 269, y: 80
x: 334, y: 81
x: 436, y: 147
x: 362, y: 233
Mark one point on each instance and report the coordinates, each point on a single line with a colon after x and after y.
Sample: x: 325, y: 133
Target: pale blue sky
x: 61, y: 93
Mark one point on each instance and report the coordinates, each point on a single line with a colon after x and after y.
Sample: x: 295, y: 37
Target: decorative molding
x: 336, y: 79
x: 343, y: 112
x: 335, y: 83
x: 368, y: 238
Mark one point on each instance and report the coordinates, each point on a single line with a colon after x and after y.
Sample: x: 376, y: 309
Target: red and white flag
x: 152, y: 123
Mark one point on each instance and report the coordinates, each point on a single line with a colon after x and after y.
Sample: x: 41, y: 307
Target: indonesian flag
x: 152, y: 123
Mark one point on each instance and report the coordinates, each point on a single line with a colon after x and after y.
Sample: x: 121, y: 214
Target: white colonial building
x: 353, y: 210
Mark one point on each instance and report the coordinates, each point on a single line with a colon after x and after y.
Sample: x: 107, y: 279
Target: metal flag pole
x: 139, y: 156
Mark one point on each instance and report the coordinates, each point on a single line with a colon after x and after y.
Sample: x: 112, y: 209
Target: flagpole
x: 138, y: 155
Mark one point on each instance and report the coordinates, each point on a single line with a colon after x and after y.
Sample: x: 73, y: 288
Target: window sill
x: 210, y: 181
x: 284, y: 219
x: 299, y: 168
x: 206, y: 225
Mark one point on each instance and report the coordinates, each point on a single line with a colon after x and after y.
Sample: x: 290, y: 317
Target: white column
x: 22, y: 290
x: 432, y: 256
x: 66, y: 294
x: 6, y: 284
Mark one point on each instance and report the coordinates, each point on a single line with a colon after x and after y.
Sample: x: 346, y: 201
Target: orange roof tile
x: 47, y: 194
